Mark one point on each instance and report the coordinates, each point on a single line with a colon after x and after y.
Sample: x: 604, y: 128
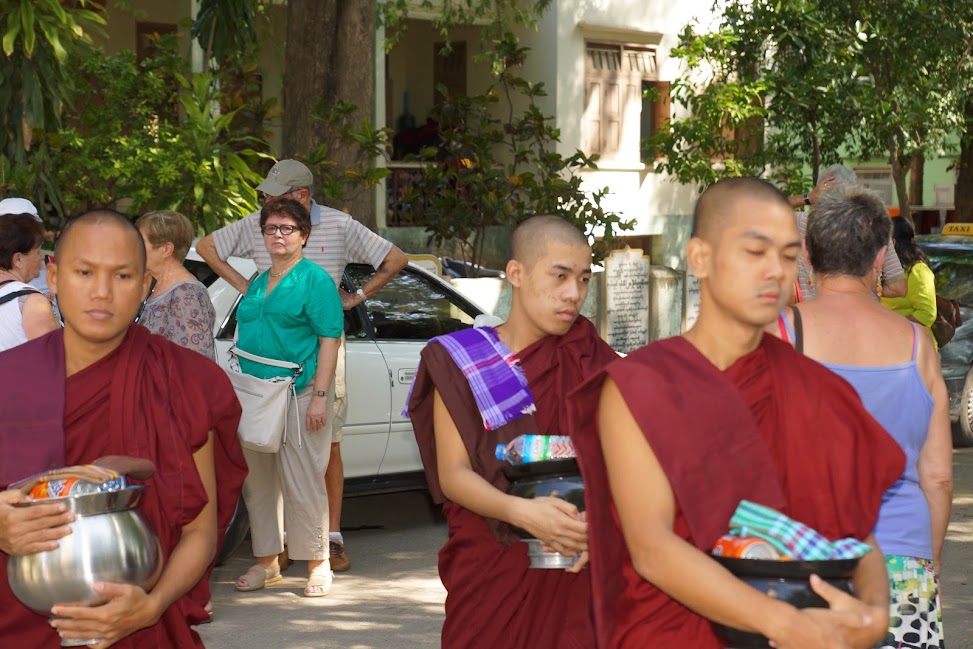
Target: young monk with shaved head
x: 673, y: 437
x: 481, y: 387
x: 104, y: 386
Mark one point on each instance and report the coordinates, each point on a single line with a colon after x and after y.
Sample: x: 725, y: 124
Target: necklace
x: 276, y: 275
x: 160, y: 283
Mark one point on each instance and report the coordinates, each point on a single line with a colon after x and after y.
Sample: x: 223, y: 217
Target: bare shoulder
x: 927, y: 359
x: 38, y: 301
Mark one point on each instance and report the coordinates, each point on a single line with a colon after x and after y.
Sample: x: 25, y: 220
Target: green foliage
x: 368, y: 142
x: 490, y: 171
x: 808, y: 81
x: 500, y: 16
x: 148, y: 136
x: 224, y: 27
x: 39, y: 38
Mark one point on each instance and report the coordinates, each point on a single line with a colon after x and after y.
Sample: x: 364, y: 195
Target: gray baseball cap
x: 284, y: 175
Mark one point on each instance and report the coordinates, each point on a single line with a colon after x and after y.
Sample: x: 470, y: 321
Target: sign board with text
x: 957, y: 229
x: 627, y: 299
x: 692, y: 300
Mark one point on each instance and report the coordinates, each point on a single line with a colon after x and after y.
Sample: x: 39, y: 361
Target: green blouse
x: 285, y: 325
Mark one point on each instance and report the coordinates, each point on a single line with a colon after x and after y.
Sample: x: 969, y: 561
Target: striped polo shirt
x: 336, y: 240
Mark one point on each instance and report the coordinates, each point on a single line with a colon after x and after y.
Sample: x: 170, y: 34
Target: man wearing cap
x: 16, y: 205
x: 336, y: 240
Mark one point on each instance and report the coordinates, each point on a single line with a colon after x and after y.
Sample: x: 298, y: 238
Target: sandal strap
x: 256, y: 571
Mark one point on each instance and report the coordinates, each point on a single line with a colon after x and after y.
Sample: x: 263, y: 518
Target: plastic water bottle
x: 535, y: 448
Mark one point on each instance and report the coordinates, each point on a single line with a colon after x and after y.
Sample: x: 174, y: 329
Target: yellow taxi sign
x: 958, y: 229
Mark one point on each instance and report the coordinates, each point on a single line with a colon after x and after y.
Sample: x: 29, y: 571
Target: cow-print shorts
x: 915, y: 613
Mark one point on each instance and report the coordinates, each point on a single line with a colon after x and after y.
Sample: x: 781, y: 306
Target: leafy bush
x: 149, y: 136
x: 489, y: 171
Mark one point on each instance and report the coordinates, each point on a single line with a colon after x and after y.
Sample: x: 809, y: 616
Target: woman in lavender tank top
x: 893, y: 365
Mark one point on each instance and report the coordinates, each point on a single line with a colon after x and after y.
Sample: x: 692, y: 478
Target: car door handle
x: 407, y: 375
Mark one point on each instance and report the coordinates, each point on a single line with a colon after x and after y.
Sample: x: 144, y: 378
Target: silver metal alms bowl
x: 110, y: 541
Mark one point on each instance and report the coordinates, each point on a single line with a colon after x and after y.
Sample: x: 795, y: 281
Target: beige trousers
x: 340, y: 409
x: 288, y: 485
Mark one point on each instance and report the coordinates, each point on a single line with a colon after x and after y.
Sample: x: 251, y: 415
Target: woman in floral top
x: 178, y: 308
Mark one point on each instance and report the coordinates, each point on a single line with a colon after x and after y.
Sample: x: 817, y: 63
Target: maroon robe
x: 152, y: 399
x: 493, y: 599
x: 776, y: 428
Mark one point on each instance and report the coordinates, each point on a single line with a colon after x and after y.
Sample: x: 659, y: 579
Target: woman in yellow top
x: 919, y: 303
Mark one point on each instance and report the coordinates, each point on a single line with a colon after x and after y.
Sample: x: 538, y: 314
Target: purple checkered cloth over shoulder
x: 498, y: 382
x: 791, y: 538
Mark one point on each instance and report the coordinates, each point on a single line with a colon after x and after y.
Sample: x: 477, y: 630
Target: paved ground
x: 392, y: 596
x: 958, y: 558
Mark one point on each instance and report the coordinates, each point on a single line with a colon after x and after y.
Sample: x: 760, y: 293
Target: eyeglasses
x: 286, y: 230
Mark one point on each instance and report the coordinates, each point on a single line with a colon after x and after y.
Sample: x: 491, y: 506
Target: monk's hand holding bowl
x: 27, y: 530
x: 556, y: 523
x: 582, y: 561
x: 128, y: 609
x: 874, y: 619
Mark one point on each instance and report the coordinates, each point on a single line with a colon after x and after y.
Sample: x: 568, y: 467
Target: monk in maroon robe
x: 494, y: 599
x: 126, y: 392
x: 690, y: 426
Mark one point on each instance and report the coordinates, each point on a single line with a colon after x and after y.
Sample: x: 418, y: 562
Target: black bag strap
x: 13, y: 296
x: 798, y: 329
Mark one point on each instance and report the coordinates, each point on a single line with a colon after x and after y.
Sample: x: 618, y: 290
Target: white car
x: 384, y: 338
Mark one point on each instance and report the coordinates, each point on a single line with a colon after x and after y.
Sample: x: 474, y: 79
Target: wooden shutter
x: 662, y: 106
x: 611, y: 122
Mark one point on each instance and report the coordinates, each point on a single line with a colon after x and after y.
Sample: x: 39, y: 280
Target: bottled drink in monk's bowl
x: 535, y: 448
x: 541, y: 466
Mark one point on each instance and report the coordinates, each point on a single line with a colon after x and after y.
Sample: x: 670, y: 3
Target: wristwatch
x: 807, y: 198
x: 361, y: 292
x: 320, y: 393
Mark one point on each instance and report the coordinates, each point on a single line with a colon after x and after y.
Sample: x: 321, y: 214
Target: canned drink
x: 53, y: 488
x: 744, y: 548
x: 75, y: 487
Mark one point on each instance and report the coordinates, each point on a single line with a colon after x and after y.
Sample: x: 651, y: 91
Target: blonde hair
x: 166, y: 226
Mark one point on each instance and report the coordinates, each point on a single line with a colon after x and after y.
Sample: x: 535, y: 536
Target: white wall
x: 658, y: 205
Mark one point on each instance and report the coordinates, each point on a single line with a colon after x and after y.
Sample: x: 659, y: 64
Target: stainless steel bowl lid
x: 100, y: 503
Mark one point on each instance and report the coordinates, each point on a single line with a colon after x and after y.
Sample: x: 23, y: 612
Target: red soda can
x: 744, y: 548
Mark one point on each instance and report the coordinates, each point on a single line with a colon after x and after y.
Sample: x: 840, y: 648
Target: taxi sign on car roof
x: 958, y: 229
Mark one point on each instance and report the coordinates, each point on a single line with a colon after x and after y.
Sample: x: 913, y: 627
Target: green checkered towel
x: 791, y: 538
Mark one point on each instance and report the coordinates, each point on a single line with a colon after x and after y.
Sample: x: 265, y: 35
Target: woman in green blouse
x: 919, y: 303
x: 291, y: 312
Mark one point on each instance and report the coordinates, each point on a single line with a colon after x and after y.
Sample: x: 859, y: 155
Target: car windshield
x: 954, y: 274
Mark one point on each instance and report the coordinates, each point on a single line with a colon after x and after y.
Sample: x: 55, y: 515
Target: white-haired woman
x: 179, y: 308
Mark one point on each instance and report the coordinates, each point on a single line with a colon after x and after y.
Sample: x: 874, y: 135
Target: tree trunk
x: 815, y: 152
x: 898, y: 177
x: 329, y: 57
x: 963, y: 198
x: 916, y: 172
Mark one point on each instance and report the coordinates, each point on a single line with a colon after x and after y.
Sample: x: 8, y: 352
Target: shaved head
x: 717, y: 202
x: 531, y: 238
x: 103, y: 217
